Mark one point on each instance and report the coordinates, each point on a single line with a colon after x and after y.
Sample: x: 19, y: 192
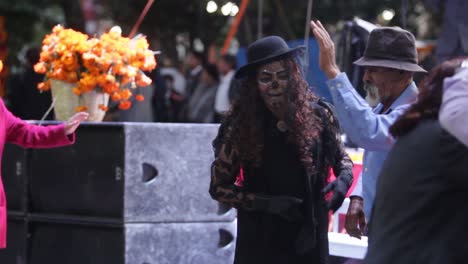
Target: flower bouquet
x: 84, y: 72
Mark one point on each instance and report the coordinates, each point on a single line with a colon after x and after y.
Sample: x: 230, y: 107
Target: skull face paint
x: 273, y: 79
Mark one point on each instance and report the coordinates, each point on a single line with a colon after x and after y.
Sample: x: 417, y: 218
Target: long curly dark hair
x: 244, y: 125
x: 429, y: 98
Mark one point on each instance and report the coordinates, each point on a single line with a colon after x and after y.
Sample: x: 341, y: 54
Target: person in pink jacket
x: 16, y: 131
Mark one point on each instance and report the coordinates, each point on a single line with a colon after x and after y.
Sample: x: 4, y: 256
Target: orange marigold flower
x: 77, y: 91
x: 71, y: 76
x: 110, y: 78
x: 132, y: 71
x: 124, y: 105
x: 69, y: 58
x: 143, y: 80
x: 111, y: 87
x: 103, y: 107
x: 43, y: 86
x: 40, y: 67
x: 81, y: 109
x: 125, y: 80
x: 139, y: 97
x: 57, y: 28
x: 126, y: 94
x: 58, y: 73
x: 116, y: 97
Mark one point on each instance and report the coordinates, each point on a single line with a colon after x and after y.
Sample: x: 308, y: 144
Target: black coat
x: 420, y: 210
x: 269, y: 238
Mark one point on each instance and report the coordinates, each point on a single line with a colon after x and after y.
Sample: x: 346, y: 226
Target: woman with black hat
x: 283, y: 141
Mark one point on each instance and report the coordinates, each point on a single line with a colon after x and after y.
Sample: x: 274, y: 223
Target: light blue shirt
x: 453, y: 115
x: 368, y: 129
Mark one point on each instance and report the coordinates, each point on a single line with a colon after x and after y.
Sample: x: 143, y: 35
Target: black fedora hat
x: 391, y: 47
x: 265, y: 50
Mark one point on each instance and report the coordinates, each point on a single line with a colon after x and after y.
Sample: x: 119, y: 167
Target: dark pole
x: 404, y: 13
x: 306, y: 36
x: 307, y: 24
x: 260, y: 19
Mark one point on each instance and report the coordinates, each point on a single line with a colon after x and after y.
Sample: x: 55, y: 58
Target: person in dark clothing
x: 420, y: 212
x: 453, y: 114
x: 194, y: 61
x: 160, y: 111
x: 200, y: 108
x: 175, y: 100
x: 282, y: 141
x: 27, y: 102
x: 226, y: 92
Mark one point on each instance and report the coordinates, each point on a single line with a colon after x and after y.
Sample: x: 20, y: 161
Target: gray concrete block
x: 136, y: 172
x: 180, y: 155
x: 187, y: 243
x: 73, y: 241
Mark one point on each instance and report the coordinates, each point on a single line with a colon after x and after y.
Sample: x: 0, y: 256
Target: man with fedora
x: 390, y: 59
x: 283, y: 140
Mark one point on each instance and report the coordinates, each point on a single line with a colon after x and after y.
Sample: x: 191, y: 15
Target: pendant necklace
x: 281, y: 125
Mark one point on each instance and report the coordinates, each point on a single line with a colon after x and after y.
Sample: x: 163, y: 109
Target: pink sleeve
x: 33, y: 136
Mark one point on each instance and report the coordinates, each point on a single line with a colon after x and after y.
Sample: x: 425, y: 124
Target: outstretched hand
x: 327, y: 50
x: 72, y: 124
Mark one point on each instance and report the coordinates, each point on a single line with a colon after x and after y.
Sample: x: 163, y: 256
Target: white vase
x: 92, y: 100
x: 66, y: 101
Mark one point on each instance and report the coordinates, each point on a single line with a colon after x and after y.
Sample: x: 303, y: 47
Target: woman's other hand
x: 72, y: 124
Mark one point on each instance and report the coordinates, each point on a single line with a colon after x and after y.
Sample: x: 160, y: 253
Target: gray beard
x: 372, y: 95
